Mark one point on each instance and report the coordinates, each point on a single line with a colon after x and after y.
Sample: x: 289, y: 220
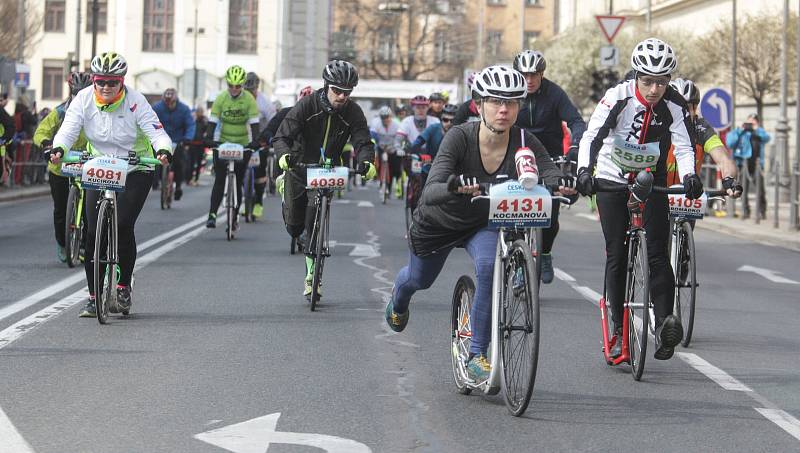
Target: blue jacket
x: 431, y: 138
x: 542, y: 112
x: 178, y: 123
x: 741, y: 142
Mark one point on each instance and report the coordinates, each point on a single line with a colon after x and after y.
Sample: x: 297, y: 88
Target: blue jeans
x: 421, y: 272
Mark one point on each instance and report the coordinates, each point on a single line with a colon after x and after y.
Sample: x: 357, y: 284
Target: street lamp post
x: 194, y: 63
x: 95, y: 13
x: 782, y: 129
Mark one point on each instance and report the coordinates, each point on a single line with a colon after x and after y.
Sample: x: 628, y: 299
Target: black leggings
x: 59, y: 189
x: 614, y: 218
x: 129, y: 205
x: 196, y: 156
x: 220, y: 173
x: 549, y: 234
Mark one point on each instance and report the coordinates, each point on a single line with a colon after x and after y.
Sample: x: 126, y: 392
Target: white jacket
x: 624, y: 115
x: 132, y: 126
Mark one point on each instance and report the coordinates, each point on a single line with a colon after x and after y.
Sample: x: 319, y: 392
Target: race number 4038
x: 327, y: 178
x: 511, y: 205
x: 105, y: 173
x: 680, y: 206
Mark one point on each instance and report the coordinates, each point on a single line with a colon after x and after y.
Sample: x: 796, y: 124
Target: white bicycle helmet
x: 384, y: 111
x: 499, y: 82
x: 654, y: 57
x: 530, y: 61
x: 109, y: 64
x: 687, y: 89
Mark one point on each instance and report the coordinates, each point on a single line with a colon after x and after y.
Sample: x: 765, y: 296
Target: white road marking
x: 770, y: 410
x: 11, y: 440
x: 769, y: 274
x: 591, y: 217
x: 717, y: 375
x: 783, y: 419
x: 79, y: 276
x: 365, y: 204
x: 256, y: 436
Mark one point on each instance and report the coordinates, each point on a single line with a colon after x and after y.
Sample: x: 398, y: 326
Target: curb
x: 787, y: 242
x: 14, y: 195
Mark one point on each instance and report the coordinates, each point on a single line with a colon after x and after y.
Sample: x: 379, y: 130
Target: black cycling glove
x: 456, y: 181
x: 732, y: 185
x: 566, y: 181
x: 693, y: 186
x: 163, y: 152
x: 585, y: 184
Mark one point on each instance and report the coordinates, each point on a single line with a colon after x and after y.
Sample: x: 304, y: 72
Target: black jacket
x: 272, y: 127
x: 443, y: 219
x: 542, y: 113
x: 465, y: 113
x: 302, y: 133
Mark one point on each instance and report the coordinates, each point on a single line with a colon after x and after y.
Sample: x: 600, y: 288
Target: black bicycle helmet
x: 436, y: 97
x: 449, y: 109
x: 78, y: 81
x: 341, y: 74
x: 251, y: 81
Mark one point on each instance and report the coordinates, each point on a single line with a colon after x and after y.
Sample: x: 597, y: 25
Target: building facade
x: 157, y: 38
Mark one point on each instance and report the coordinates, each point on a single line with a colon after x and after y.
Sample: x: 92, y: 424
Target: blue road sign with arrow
x: 717, y: 108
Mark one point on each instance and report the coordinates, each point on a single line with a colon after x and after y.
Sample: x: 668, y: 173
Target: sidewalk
x: 19, y: 193
x: 764, y: 232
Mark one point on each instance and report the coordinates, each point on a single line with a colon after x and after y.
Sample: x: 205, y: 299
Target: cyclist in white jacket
x: 117, y: 122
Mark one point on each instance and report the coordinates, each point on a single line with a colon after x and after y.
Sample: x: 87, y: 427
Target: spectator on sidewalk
x: 747, y: 143
x: 6, y: 133
x: 197, y: 148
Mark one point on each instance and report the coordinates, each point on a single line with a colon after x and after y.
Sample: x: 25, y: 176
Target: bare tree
x: 408, y: 40
x: 9, y: 29
x: 575, y: 54
x: 758, y: 55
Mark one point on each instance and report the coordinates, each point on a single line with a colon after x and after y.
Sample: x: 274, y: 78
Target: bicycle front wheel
x: 248, y: 196
x: 104, y: 265
x: 637, y: 292
x: 72, y: 233
x: 230, y: 204
x: 461, y: 331
x: 321, y: 231
x: 685, y: 280
x: 519, y: 327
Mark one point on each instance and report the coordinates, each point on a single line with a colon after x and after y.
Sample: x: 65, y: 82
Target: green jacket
x: 47, y: 130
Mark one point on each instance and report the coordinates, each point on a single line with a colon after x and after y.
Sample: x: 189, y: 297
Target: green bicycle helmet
x: 109, y: 64
x: 235, y: 75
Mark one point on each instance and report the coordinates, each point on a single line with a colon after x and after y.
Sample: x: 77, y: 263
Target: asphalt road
x: 220, y: 335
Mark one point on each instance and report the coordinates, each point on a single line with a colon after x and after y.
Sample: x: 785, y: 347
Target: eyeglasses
x: 497, y: 102
x: 648, y: 82
x: 235, y: 87
x: 340, y: 91
x: 107, y: 83
x: 447, y: 120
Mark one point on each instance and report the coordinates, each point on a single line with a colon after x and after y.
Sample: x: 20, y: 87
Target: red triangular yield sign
x: 610, y: 25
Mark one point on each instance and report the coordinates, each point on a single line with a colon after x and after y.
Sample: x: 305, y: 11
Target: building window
x: 530, y: 39
x: 102, y: 15
x: 343, y: 43
x: 157, y: 26
x: 493, y: 42
x: 54, y: 15
x: 52, y: 79
x: 441, y: 46
x: 533, y: 3
x: 243, y: 26
x: 385, y: 45
x: 496, y: 2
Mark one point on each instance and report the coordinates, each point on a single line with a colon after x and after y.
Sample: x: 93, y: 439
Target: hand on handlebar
x: 585, y: 183
x: 463, y: 185
x: 693, y: 186
x: 732, y: 186
x: 164, y: 156
x: 566, y: 185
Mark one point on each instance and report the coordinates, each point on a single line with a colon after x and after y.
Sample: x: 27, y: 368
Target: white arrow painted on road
x: 359, y: 249
x: 720, y: 104
x: 769, y: 274
x: 256, y: 435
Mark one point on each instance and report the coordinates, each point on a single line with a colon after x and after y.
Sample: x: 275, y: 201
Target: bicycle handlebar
x: 602, y: 185
x: 85, y: 157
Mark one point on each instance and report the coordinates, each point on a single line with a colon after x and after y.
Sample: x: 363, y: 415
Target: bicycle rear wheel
x: 685, y: 280
x: 73, y: 230
x: 320, y: 238
x: 385, y: 181
x: 104, y: 265
x: 519, y: 327
x: 230, y: 204
x: 637, y: 291
x: 461, y: 331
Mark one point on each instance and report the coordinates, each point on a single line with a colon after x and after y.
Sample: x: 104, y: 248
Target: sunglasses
x: 107, y: 83
x: 235, y: 87
x: 339, y: 91
x: 447, y: 120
